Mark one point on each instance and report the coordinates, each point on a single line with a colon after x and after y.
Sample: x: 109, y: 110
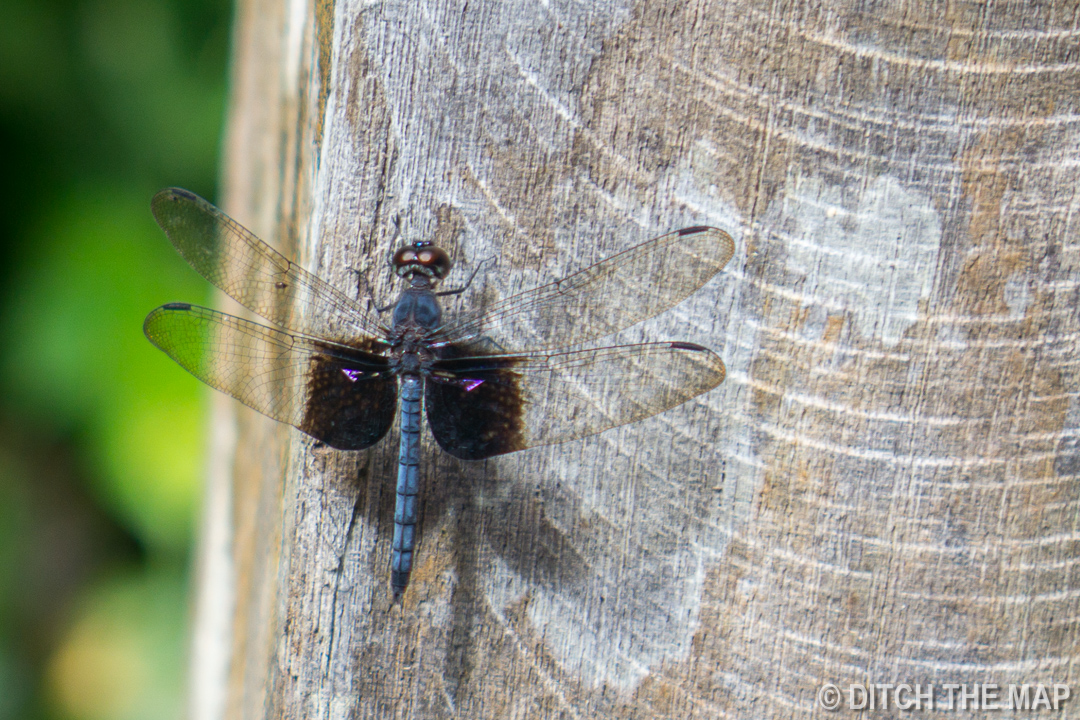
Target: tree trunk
x: 884, y: 490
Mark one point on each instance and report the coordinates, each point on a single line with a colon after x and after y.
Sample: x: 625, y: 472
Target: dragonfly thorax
x: 416, y: 309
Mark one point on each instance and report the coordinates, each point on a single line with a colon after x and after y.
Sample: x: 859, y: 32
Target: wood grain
x: 884, y: 490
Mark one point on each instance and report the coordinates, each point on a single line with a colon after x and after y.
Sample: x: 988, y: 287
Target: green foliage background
x: 102, y: 103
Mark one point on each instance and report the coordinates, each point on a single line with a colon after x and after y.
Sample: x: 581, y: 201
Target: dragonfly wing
x: 253, y: 273
x: 604, y: 298
x: 483, y: 406
x: 340, y: 395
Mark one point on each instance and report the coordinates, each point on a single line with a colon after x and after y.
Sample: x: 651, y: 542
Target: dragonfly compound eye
x: 436, y: 259
x: 423, y: 258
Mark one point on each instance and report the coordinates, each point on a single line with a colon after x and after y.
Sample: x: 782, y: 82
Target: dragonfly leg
x: 393, y: 239
x: 463, y: 288
x: 491, y: 343
x: 389, y: 260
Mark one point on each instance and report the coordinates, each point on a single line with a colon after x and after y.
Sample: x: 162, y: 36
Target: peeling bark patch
x: 875, y: 260
x: 995, y: 258
x: 913, y: 480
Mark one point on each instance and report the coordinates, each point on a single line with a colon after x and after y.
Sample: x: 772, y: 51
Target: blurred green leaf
x: 102, y: 102
x: 78, y: 357
x: 122, y: 656
x: 131, y: 50
x: 31, y: 56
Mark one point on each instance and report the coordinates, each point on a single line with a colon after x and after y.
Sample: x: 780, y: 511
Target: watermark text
x: 944, y: 696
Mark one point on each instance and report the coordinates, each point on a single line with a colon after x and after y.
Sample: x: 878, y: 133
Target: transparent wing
x: 253, y: 273
x: 343, y: 396
x: 604, y: 298
x: 478, y: 407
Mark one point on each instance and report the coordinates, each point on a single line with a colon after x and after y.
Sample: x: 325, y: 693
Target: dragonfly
x: 342, y: 370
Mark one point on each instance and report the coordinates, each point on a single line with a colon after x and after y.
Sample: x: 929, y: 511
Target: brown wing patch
x: 350, y: 401
x: 474, y: 405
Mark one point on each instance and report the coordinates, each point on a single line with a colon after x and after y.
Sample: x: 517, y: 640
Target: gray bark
x: 884, y: 490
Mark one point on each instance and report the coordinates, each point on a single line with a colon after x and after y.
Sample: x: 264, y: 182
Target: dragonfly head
x: 421, y: 258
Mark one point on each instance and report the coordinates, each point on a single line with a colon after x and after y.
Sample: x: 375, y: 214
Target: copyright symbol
x: 829, y: 697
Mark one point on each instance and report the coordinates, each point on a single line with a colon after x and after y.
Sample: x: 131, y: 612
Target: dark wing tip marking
x: 688, y: 346
x: 162, y: 206
x: 722, y: 240
x: 170, y: 195
x: 176, y: 192
x: 149, y: 329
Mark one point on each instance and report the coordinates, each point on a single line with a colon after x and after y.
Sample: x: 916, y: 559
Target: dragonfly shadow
x: 484, y: 512
x: 490, y: 511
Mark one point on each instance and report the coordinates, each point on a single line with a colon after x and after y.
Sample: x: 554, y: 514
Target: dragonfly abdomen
x: 408, y: 483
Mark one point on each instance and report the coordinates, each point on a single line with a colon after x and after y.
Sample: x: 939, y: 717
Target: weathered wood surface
x: 884, y: 489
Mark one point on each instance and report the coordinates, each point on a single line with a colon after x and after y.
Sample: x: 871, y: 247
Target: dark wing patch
x: 489, y: 405
x: 341, y: 395
x: 348, y: 407
x: 474, y: 405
